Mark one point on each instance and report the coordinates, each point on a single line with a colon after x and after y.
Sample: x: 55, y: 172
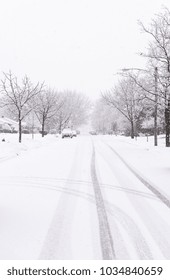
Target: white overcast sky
x: 73, y: 44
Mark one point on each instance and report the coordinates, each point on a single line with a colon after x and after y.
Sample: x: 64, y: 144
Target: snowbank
x: 11, y: 147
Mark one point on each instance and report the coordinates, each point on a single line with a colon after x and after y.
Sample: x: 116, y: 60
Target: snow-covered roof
x: 7, y: 121
x: 4, y: 120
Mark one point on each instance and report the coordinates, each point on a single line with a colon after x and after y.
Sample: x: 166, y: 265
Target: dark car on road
x: 67, y: 132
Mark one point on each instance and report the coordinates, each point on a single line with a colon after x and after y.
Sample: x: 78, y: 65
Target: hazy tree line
x: 142, y: 96
x: 23, y: 101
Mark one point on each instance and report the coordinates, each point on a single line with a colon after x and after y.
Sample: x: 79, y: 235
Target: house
x: 9, y: 125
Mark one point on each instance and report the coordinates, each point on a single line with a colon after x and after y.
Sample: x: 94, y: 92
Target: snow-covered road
x: 77, y: 199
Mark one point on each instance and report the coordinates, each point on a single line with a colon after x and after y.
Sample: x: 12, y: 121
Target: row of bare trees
x: 142, y: 94
x: 52, y: 109
x: 128, y: 100
x: 104, y: 118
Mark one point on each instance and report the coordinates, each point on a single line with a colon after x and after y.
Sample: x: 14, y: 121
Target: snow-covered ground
x: 76, y: 198
x: 150, y: 161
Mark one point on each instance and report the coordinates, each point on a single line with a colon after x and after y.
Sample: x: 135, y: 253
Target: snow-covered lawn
x: 11, y: 147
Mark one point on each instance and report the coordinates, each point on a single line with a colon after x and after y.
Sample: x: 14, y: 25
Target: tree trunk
x: 60, y: 128
x: 43, y: 127
x: 132, y: 130
x: 167, y: 124
x: 20, y: 129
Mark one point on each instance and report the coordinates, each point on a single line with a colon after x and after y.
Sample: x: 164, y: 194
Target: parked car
x: 67, y: 132
x: 93, y: 132
x: 74, y: 133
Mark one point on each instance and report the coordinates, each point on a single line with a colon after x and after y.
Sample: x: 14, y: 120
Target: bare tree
x: 74, y: 111
x: 18, y: 96
x: 128, y: 100
x: 147, y: 81
x: 159, y: 55
x: 104, y: 118
x: 48, y: 102
x: 80, y: 109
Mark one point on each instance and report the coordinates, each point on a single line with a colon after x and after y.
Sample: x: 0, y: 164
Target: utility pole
x: 156, y: 109
x: 167, y: 122
x: 167, y: 111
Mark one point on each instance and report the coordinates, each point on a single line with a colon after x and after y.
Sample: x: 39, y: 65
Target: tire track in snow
x: 63, y: 240
x: 53, y: 184
x: 57, y: 244
x: 106, y: 241
x: 157, y: 228
x: 144, y: 181
x: 8, y: 157
x: 130, y: 226
x: 132, y: 230
x: 118, y: 215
